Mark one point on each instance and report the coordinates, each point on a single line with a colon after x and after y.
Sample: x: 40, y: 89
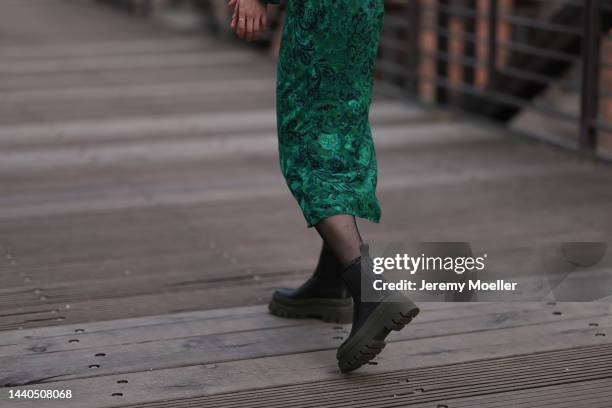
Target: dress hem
x: 313, y: 221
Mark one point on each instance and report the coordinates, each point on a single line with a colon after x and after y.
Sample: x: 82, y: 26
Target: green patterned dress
x: 323, y: 92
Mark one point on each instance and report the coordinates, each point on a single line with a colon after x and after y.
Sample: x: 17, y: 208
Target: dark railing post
x: 442, y: 48
x: 469, y: 43
x: 413, y: 47
x: 492, y: 39
x: 590, y: 74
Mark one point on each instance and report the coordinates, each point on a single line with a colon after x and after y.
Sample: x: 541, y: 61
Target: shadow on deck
x: 145, y: 224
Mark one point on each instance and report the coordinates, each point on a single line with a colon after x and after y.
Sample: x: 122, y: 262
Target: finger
x: 230, y: 3
x: 257, y: 25
x: 241, y: 25
x: 264, y: 22
x: 234, y: 16
x: 239, y: 20
x: 250, y: 28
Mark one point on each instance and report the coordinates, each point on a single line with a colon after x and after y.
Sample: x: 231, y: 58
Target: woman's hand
x: 249, y: 18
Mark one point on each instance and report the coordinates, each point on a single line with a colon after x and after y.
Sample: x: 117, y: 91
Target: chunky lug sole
x: 369, y: 340
x: 338, y: 310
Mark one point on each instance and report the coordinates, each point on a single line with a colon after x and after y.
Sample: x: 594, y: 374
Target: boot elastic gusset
x: 335, y: 310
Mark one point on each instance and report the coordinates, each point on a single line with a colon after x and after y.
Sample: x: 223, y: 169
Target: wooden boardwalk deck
x: 144, y: 224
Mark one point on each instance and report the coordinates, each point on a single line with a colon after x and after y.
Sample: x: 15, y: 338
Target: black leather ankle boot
x: 374, y: 319
x: 324, y: 295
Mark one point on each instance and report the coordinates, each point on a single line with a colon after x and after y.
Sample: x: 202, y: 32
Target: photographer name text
x: 409, y: 285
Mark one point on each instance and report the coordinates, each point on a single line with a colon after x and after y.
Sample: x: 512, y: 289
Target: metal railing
x: 541, y: 67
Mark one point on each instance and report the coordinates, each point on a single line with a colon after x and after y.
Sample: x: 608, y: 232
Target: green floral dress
x: 323, y: 92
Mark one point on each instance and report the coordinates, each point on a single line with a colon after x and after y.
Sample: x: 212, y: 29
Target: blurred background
x: 539, y: 67
x: 144, y: 221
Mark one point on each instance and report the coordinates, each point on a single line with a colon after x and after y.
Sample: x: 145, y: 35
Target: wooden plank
x: 172, y: 44
x: 399, y: 389
x: 217, y: 148
x: 216, y: 316
x: 208, y: 124
x: 166, y: 301
x: 108, y: 226
x: 320, y: 365
x: 240, y: 345
x: 109, y: 232
x: 136, y: 108
x: 120, y: 234
x: 57, y: 21
x: 60, y: 80
x: 95, y: 63
x: 591, y: 394
x: 127, y: 92
x: 47, y: 314
x: 198, y: 385
x: 171, y: 285
x: 209, y: 190
x: 434, y: 320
